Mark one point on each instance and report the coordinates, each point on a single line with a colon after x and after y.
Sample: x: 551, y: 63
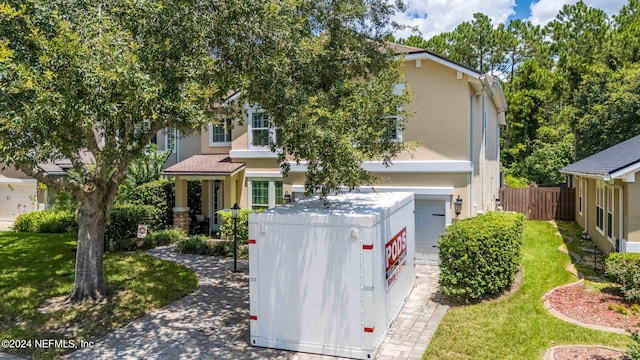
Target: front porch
x: 221, y: 181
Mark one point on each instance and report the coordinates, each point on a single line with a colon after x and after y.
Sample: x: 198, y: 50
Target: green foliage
x: 633, y: 350
x: 226, y: 229
x: 166, y: 236
x: 624, y: 269
x: 122, y: 229
x: 48, y: 221
x: 194, y: 197
x: 146, y: 168
x: 225, y: 248
x: 196, y: 244
x: 515, y: 182
x: 158, y: 193
x: 544, y: 164
x: 64, y: 201
x: 480, y: 256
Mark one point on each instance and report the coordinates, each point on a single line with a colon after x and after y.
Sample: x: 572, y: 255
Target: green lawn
x: 38, y: 267
x: 518, y: 326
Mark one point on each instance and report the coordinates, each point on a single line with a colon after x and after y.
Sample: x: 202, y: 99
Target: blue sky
x: 432, y: 17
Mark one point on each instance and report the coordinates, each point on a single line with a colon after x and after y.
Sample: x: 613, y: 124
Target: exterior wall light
x: 458, y: 206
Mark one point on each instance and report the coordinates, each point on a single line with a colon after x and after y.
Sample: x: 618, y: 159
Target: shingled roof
x: 608, y: 163
x: 205, y: 165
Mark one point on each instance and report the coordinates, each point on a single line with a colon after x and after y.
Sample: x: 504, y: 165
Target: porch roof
x: 205, y: 165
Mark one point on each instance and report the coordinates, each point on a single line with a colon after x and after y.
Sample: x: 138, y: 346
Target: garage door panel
x: 430, y: 224
x: 16, y: 199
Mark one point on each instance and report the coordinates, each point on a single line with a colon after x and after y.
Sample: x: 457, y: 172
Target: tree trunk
x: 89, y: 282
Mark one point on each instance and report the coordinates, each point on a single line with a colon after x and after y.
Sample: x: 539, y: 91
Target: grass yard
x: 36, y: 268
x: 518, y: 326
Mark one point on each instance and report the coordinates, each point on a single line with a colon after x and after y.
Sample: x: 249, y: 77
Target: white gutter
x: 620, y: 215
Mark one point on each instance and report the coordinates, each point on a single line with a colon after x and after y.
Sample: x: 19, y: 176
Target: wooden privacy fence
x: 540, y: 203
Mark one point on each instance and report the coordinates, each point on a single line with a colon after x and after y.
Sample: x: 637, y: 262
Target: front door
x: 217, y: 203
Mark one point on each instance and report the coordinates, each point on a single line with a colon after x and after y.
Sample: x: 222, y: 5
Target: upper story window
x: 170, y: 139
x: 394, y: 131
x: 261, y: 130
x: 220, y: 133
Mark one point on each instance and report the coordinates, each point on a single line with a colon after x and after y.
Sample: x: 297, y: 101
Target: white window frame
x: 273, y: 200
x: 273, y: 131
x: 226, y: 126
x: 610, y: 193
x: 398, y: 120
x: 580, y: 195
x: 167, y: 144
x: 600, y: 221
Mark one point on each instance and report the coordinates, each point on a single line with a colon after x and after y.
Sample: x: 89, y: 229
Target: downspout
x: 620, y: 215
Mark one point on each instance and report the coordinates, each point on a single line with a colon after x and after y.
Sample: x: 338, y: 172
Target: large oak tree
x: 93, y: 81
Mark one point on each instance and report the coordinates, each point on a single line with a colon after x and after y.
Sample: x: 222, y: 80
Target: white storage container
x: 331, y: 280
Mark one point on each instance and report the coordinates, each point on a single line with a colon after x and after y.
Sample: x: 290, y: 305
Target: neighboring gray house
x: 608, y: 196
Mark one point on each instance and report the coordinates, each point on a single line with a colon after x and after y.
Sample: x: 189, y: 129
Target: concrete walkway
x: 213, y: 322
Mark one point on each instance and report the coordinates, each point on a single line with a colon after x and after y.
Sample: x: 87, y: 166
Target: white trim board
x: 408, y: 166
x: 6, y: 180
x: 420, y: 192
x: 252, y: 154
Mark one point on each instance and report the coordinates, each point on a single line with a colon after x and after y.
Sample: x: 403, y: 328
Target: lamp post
x: 235, y: 213
x: 458, y: 206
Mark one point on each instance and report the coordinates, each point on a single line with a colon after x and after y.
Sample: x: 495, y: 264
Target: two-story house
x: 457, y: 113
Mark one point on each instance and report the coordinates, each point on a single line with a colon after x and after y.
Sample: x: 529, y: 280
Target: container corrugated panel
x: 330, y: 280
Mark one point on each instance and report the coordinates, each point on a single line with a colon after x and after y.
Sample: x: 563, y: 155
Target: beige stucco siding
x: 632, y: 211
x: 439, y: 113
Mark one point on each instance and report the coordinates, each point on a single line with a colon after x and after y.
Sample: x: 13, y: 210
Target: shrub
x: 122, y: 228
x: 225, y: 248
x: 624, y: 269
x: 48, y: 221
x: 633, y: 351
x: 196, y: 244
x: 480, y: 256
x: 226, y: 229
x: 165, y: 237
x: 159, y: 194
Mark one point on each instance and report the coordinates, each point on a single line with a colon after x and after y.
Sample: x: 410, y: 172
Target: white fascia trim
x: 421, y: 192
x: 626, y: 173
x: 452, y: 166
x: 6, y: 180
x: 262, y: 174
x: 462, y: 69
x: 252, y: 154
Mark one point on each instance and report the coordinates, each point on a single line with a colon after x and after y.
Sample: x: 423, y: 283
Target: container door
x: 430, y: 224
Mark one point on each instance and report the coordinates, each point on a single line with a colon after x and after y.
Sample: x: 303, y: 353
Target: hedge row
x: 49, y: 221
x: 226, y: 229
x: 480, y: 256
x: 624, y: 269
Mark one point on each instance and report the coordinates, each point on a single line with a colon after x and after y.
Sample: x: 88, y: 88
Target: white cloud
x: 433, y: 17
x: 545, y: 11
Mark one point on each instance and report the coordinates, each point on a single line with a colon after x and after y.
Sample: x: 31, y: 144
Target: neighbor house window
x: 265, y: 193
x: 170, y: 139
x: 261, y: 130
x: 220, y: 133
x: 600, y: 206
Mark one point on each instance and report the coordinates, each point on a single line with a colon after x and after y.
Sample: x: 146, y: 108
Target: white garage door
x: 430, y: 224
x: 16, y: 199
